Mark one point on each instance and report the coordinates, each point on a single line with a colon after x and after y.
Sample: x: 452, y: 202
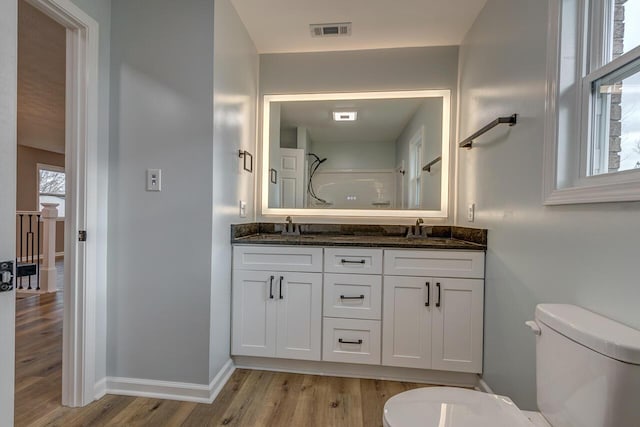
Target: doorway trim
x: 84, y: 262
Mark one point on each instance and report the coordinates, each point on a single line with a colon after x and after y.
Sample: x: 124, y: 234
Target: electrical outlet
x: 153, y: 179
x: 243, y: 209
x: 471, y: 212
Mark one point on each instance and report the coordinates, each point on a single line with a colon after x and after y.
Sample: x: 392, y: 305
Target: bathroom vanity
x: 358, y: 295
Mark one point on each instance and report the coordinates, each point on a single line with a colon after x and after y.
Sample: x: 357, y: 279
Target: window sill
x: 602, y: 193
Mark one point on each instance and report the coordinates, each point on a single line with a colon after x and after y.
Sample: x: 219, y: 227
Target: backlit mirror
x: 356, y: 154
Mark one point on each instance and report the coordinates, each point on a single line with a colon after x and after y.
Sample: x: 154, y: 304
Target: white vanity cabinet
x: 277, y: 311
x: 408, y: 308
x: 433, y: 321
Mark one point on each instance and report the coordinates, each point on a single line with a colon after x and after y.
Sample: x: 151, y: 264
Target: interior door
x: 299, y: 316
x: 254, y: 313
x: 291, y: 178
x: 406, y: 333
x: 457, y: 325
x: 8, y: 146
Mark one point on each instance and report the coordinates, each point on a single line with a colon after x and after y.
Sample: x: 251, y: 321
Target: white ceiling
x: 283, y: 25
x: 379, y: 120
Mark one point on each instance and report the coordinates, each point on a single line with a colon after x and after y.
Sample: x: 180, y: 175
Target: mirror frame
x: 445, y: 94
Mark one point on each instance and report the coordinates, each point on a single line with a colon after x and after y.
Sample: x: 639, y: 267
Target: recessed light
x: 345, y: 116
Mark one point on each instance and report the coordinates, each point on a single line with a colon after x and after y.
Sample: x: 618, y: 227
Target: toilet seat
x: 452, y: 407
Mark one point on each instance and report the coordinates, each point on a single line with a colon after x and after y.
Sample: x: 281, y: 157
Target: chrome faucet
x: 290, y: 227
x: 419, y: 221
x: 416, y: 230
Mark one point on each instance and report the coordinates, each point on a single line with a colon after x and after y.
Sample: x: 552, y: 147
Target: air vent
x: 331, y: 30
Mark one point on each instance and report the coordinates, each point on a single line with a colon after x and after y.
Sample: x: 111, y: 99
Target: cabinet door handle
x: 426, y: 304
x: 341, y: 341
x: 439, y: 294
x: 271, y: 287
x: 343, y: 297
x: 347, y: 261
x: 281, y: 278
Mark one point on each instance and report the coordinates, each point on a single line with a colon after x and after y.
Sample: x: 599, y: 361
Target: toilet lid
x: 452, y: 407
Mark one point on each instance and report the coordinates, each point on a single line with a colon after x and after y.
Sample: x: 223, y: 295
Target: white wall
x: 235, y: 84
x: 8, y: 144
x: 101, y: 11
x: 584, y: 254
x: 160, y: 242
x: 429, y: 116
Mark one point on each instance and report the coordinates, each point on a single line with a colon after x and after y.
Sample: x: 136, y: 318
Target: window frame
x: 52, y: 168
x: 589, y: 66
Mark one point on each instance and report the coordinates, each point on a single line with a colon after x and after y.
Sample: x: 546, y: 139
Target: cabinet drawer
x: 463, y: 264
x: 275, y: 258
x: 356, y: 296
x: 349, y: 260
x: 351, y: 341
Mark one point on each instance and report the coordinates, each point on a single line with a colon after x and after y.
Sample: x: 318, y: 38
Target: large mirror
x: 356, y: 154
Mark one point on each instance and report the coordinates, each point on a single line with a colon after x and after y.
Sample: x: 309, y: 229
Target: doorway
x: 40, y: 211
x: 84, y: 230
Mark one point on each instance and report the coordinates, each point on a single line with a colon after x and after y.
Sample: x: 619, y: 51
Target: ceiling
x: 379, y: 120
x: 41, y: 80
x: 283, y: 25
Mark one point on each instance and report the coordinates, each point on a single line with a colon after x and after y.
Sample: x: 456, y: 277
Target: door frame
x: 84, y: 262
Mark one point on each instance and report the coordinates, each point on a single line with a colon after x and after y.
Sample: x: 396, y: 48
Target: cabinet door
x: 406, y: 322
x: 254, y: 313
x: 457, y: 324
x: 299, y: 316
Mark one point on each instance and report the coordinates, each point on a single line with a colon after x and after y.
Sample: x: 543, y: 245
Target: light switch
x: 154, y: 179
x: 243, y: 209
x: 471, y: 212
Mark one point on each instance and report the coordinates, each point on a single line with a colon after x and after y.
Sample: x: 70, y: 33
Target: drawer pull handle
x: 439, y: 296
x: 341, y: 341
x: 343, y: 297
x: 426, y: 304
x: 348, y: 261
x: 271, y: 287
x: 281, y: 279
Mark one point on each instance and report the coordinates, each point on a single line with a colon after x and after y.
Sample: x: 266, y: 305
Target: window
x: 415, y: 170
x: 52, y: 187
x: 593, y: 135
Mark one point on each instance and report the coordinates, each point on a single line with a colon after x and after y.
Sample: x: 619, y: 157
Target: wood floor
x: 250, y: 398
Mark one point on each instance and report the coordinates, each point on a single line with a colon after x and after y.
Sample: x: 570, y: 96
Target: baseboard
x: 352, y: 370
x: 100, y: 389
x: 483, y: 386
x: 169, y: 390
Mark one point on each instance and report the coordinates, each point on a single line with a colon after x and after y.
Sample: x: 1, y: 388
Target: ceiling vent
x: 331, y: 30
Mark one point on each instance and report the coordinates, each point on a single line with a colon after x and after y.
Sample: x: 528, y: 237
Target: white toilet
x: 588, y: 375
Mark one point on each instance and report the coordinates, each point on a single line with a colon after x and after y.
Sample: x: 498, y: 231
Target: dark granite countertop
x: 370, y: 236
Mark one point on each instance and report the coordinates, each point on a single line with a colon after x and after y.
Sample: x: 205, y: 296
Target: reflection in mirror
x: 358, y: 153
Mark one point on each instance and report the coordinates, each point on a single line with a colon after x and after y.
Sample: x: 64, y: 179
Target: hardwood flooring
x: 250, y: 398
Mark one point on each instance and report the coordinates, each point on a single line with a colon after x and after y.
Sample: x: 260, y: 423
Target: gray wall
x: 8, y: 144
x: 581, y: 254
x: 160, y: 243
x: 100, y: 10
x: 428, y: 115
x: 362, y: 70
x: 235, y: 86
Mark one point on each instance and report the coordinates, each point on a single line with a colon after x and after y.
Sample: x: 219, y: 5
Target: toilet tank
x: 588, y: 368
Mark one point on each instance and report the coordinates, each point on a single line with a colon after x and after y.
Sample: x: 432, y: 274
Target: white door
x: 254, y: 313
x: 299, y: 316
x: 457, y: 325
x: 291, y: 178
x: 8, y: 67
x: 406, y: 322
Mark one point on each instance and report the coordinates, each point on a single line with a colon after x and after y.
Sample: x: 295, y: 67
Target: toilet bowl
x: 588, y: 375
x: 452, y: 407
